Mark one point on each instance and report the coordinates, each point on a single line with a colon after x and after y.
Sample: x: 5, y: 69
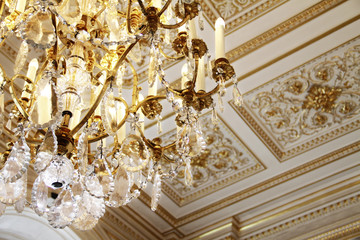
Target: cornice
x: 281, y: 29
x: 308, y: 217
x: 256, y: 189
x: 348, y: 230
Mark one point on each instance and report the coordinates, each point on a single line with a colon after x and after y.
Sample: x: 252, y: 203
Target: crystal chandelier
x: 67, y: 117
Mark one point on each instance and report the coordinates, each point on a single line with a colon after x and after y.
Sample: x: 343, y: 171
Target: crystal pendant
x: 21, y: 57
x: 214, y: 117
x: 134, y: 154
x: 82, y: 152
x: 93, y: 186
x: 39, y: 196
x: 190, y: 142
x: 188, y: 173
x: 94, y: 206
x: 156, y: 192
x: 63, y: 210
x: 11, y: 192
x: 122, y: 187
x: 39, y: 30
x: 70, y: 11
x: 238, y: 99
x: 87, y: 223
x: 59, y: 173
x: 20, y: 204
x: 17, y: 161
x: 47, y: 151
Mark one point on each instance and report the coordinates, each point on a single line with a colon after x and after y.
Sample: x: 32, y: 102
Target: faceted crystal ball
x: 59, y: 173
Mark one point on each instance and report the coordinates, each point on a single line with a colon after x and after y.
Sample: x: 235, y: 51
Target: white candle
x: 153, y: 89
x: 20, y: 5
x: 44, y: 105
x: 157, y: 4
x: 31, y: 74
x: 33, y: 66
x: 184, y: 72
x: 192, y: 27
x: 121, y: 133
x: 200, y: 82
x: 219, y: 38
x: 75, y: 119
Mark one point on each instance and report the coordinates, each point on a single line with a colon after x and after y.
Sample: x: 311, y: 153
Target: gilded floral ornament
x: 312, y: 98
x: 321, y: 97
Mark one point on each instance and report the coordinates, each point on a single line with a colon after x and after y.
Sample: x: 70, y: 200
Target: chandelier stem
x: 164, y: 8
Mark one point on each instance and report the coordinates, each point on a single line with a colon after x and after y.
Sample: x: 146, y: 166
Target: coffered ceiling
x: 286, y: 164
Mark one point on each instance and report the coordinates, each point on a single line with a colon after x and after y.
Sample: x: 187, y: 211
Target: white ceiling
x: 290, y: 172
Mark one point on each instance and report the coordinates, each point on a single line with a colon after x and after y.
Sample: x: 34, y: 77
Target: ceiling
x: 286, y: 164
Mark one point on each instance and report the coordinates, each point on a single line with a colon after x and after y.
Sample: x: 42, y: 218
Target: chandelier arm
x: 142, y: 6
x: 170, y: 57
x: 15, y: 98
x: 95, y: 139
x: 177, y: 25
x: 210, y: 93
x: 164, y: 8
x: 152, y: 145
x: 2, y: 6
x: 121, y: 14
x: 135, y: 92
x: 128, y: 17
x: 99, y: 12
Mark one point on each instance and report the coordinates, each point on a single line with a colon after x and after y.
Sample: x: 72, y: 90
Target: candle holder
x: 222, y: 70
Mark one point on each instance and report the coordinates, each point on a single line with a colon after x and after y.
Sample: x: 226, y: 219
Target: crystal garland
x: 87, y: 44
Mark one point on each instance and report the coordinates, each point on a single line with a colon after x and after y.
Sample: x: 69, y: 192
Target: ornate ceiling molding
x: 346, y: 231
x: 309, y: 217
x: 255, y: 189
x: 289, y: 110
x: 281, y: 29
x: 225, y: 161
x: 237, y: 13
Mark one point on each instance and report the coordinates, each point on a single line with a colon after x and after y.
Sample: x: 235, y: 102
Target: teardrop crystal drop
x: 188, y: 173
x: 17, y: 162
x: 39, y: 196
x: 47, y: 150
x: 122, y: 187
x: 156, y: 192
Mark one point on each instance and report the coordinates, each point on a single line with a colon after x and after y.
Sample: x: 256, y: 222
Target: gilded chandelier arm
x: 170, y: 57
x: 128, y: 17
x: 164, y: 8
x: 142, y: 6
x: 15, y: 98
x: 177, y: 25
